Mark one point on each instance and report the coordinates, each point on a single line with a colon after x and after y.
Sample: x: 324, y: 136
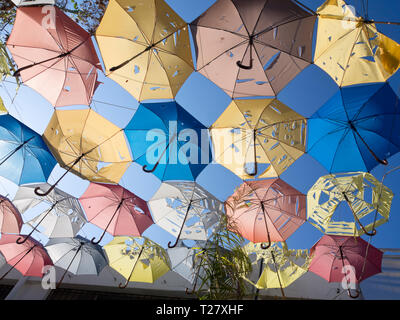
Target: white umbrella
x: 20, y: 3
x: 76, y: 255
x: 185, y: 210
x: 63, y: 216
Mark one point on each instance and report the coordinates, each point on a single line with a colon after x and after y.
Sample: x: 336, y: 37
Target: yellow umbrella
x: 258, y: 131
x: 350, y: 49
x: 363, y: 194
x: 145, y: 48
x: 88, y: 145
x: 137, y: 259
x: 279, y: 266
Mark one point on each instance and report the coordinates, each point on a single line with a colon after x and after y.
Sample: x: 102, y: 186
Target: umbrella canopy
x: 88, y: 145
x: 24, y: 157
x: 266, y: 210
x: 350, y: 48
x: 363, y: 194
x: 279, y: 265
x: 332, y: 253
x: 21, y: 3
x: 28, y: 258
x: 60, y: 213
x: 145, y: 48
x: 253, y: 48
x: 137, y: 259
x: 168, y: 141
x: 358, y: 128
x: 251, y: 132
x: 185, y: 210
x: 10, y: 218
x: 76, y: 255
x: 183, y: 261
x: 55, y: 56
x: 115, y: 210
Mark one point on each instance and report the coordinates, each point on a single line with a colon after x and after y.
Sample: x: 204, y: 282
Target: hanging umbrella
x: 279, y: 265
x: 28, y: 258
x: 185, y: 210
x: 167, y: 141
x: 137, y: 259
x: 88, y: 145
x: 10, y: 218
x: 363, y: 194
x: 60, y: 217
x: 253, y: 48
x: 357, y: 129
x: 115, y: 210
x: 145, y: 48
x: 332, y: 253
x: 24, y: 157
x: 350, y: 48
x: 258, y: 132
x: 55, y: 56
x: 76, y: 255
x: 266, y: 211
x: 20, y: 3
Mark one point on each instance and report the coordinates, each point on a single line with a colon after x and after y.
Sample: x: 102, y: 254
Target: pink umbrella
x: 266, y: 210
x: 55, y: 56
x: 10, y: 218
x: 115, y: 210
x: 253, y: 47
x: 332, y: 253
x: 28, y: 258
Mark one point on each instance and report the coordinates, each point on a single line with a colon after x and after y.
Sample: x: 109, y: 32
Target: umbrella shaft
x: 15, y: 150
x: 17, y: 262
x: 66, y: 270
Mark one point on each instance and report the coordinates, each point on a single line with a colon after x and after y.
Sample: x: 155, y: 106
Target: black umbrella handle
x: 263, y: 245
x: 250, y: 66
x: 180, y: 231
x: 159, y: 159
x: 123, y: 286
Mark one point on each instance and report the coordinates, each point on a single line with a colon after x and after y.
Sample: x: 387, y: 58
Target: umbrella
x: 61, y: 215
x: 363, y: 194
x: 183, y: 261
x: 358, y: 128
x: 137, y: 259
x: 55, y: 56
x: 266, y: 210
x: 21, y: 3
x: 253, y: 48
x: 279, y: 266
x: 10, y: 218
x: 145, y: 48
x: 28, y: 258
x: 76, y: 255
x: 254, y: 132
x: 332, y: 253
x: 115, y: 210
x: 167, y: 141
x: 88, y: 145
x: 350, y: 48
x: 185, y: 210
x: 24, y: 157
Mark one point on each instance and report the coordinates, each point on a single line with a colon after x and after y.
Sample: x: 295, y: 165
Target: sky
x: 205, y: 101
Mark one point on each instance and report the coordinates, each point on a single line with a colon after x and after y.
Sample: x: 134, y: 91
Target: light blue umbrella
x: 167, y: 141
x: 357, y: 129
x: 24, y: 157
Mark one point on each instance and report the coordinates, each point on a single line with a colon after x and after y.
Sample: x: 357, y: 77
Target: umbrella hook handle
x: 43, y: 194
x: 123, y: 286
x: 353, y: 296
x: 159, y: 159
x: 263, y: 245
x: 373, y: 232
x: 180, y: 231
x: 93, y: 241
x: 250, y: 66
x: 254, y: 173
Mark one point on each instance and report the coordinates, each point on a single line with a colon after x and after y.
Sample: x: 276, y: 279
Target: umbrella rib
x: 376, y: 133
x: 325, y: 135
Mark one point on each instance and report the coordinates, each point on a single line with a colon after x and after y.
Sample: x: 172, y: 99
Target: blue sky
x: 205, y: 101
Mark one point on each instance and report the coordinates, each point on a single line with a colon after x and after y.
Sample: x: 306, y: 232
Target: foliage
x: 222, y: 266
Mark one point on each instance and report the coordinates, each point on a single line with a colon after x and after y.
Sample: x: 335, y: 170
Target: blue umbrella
x: 168, y: 141
x: 24, y: 157
x: 358, y: 128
